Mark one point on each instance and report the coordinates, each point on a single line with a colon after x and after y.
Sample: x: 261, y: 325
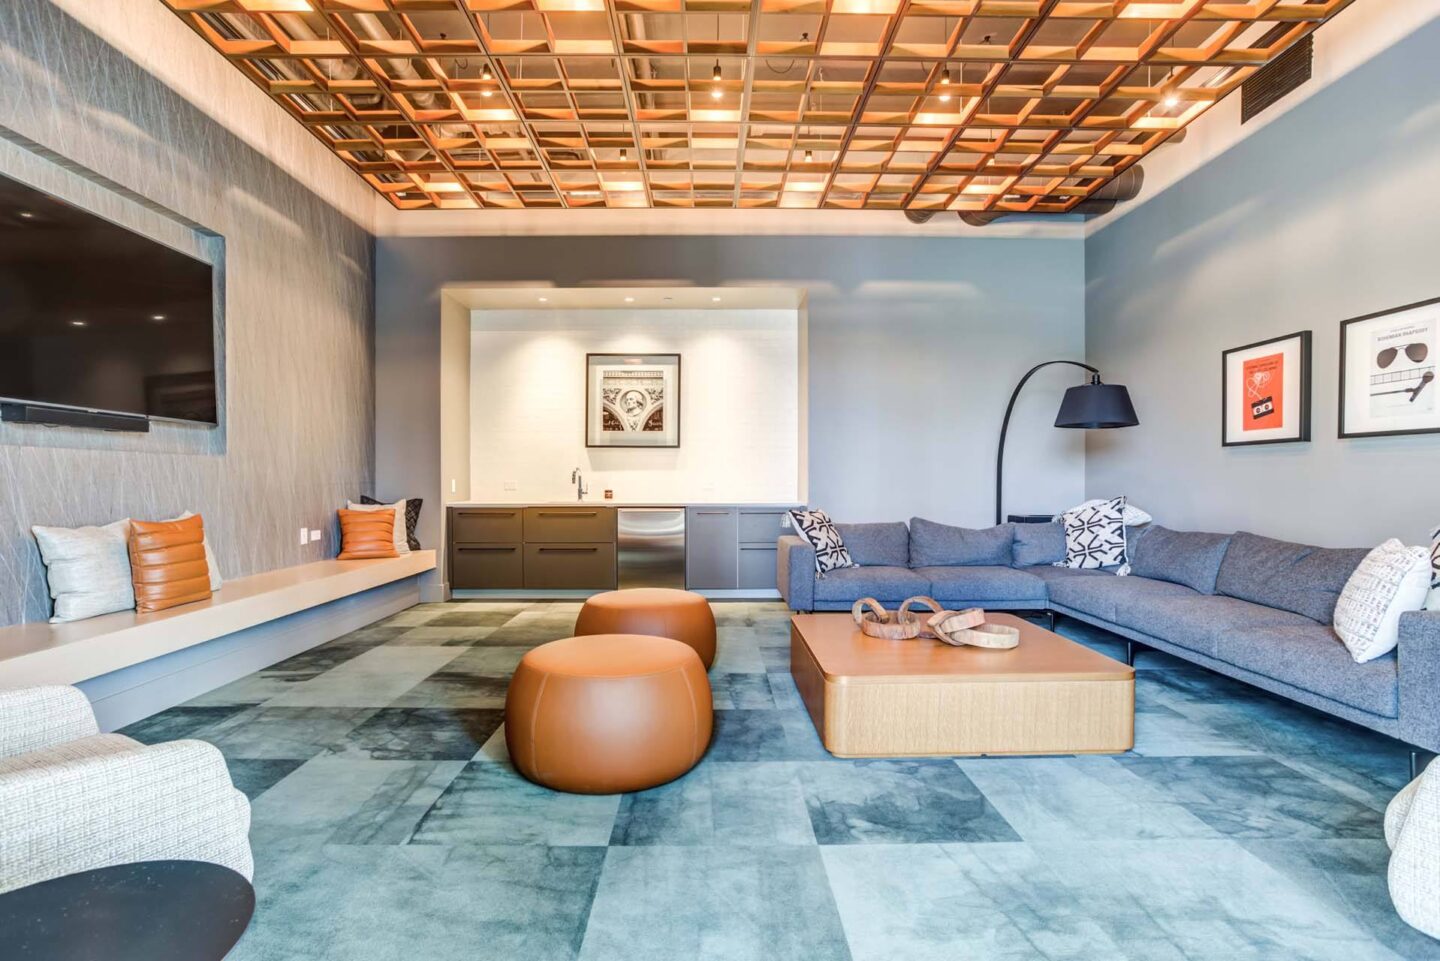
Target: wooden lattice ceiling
x: 969, y: 105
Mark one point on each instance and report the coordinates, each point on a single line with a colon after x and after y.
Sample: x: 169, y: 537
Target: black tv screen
x: 96, y: 317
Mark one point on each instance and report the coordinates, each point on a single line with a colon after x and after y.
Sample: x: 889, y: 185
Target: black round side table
x: 150, y: 911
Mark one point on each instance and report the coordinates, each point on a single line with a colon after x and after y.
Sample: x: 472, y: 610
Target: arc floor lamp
x: 1089, y: 406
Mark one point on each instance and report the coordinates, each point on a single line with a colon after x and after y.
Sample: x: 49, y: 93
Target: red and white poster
x: 1267, y: 392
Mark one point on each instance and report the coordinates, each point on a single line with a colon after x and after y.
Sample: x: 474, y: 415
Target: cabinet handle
x: 758, y: 547
x: 713, y: 512
x: 485, y: 513
x: 568, y: 550
x: 566, y: 513
x: 463, y: 549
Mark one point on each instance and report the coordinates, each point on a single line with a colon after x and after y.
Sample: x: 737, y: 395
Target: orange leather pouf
x: 608, y: 713
x: 658, y: 611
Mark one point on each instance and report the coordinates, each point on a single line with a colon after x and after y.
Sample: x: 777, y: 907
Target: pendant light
x: 716, y: 92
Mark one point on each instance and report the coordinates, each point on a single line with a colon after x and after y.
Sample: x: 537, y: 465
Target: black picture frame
x: 589, y: 370
x: 1345, y: 329
x: 1305, y: 338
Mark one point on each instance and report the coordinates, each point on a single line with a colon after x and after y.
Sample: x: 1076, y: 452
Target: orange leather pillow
x: 167, y: 563
x: 367, y: 534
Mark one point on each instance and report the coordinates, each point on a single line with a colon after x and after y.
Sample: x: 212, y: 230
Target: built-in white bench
x: 132, y: 665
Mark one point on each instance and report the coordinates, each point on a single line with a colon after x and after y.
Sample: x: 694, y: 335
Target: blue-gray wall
x: 914, y: 345
x: 80, y: 119
x: 1330, y: 212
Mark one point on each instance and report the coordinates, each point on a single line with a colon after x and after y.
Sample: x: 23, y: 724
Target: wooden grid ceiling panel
x: 1023, y: 106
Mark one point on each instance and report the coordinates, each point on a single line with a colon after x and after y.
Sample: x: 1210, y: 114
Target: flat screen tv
x: 96, y: 317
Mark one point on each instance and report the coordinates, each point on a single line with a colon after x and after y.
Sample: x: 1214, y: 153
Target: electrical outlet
x: 314, y: 535
x: 511, y: 485
x: 304, y: 536
x: 785, y: 521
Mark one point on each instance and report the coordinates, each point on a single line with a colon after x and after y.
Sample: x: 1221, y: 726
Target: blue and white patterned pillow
x: 1095, y: 535
x: 1432, y: 601
x: 817, y: 528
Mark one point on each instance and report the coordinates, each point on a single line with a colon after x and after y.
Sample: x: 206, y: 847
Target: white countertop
x: 775, y: 505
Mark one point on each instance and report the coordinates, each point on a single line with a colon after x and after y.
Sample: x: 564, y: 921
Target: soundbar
x: 68, y: 417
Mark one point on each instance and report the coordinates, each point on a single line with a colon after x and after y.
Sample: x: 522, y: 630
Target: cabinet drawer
x: 757, y: 568
x: 569, y: 525
x: 485, y: 525
x: 480, y: 566
x: 570, y: 566
x: 761, y: 527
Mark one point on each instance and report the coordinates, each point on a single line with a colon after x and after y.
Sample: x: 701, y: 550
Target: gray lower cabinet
x: 711, y: 548
x: 757, y: 567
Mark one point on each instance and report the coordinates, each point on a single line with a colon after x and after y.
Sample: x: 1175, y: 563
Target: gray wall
x: 80, y: 119
x: 914, y: 346
x: 1330, y: 212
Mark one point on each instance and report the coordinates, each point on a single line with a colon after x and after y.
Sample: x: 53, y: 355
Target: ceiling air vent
x: 1277, y: 78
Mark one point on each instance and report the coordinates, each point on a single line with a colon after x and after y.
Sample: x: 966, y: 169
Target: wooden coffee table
x: 876, y: 698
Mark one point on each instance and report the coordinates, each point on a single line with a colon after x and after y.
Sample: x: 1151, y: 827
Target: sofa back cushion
x: 1293, y: 577
x: 877, y: 545
x: 1191, y: 558
x: 1039, y: 544
x: 940, y: 545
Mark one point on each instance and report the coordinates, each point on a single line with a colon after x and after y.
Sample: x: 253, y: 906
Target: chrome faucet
x: 579, y: 481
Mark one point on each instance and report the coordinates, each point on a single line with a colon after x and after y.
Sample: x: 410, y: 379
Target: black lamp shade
x: 1096, y: 406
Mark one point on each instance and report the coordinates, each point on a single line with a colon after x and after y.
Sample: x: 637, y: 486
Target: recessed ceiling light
x: 1172, y: 101
x: 714, y: 300
x: 77, y: 323
x: 629, y: 300
x: 544, y: 300
x: 26, y: 214
x: 157, y: 317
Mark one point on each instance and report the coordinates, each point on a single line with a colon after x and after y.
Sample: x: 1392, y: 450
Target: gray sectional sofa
x: 1251, y: 607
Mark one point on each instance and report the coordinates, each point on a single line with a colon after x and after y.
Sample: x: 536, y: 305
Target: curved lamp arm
x: 1005, y: 426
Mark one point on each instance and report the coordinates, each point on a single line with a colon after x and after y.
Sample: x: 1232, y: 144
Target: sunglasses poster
x: 1387, y: 372
x: 1266, y: 389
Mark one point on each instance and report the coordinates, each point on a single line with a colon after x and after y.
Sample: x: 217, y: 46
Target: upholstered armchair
x: 72, y: 799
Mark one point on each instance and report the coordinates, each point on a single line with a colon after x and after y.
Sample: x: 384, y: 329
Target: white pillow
x: 1391, y: 580
x: 821, y: 533
x: 1432, y: 602
x: 88, y: 569
x: 1095, y: 535
x: 402, y: 543
x: 1134, y: 516
x: 216, y: 581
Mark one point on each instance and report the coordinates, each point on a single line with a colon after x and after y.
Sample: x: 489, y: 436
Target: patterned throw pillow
x: 817, y: 528
x: 1391, y: 580
x: 1095, y: 535
x: 1432, y: 603
x: 412, y: 516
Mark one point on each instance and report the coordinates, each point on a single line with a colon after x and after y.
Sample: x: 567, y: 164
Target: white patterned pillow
x: 1391, y: 580
x: 1095, y: 535
x: 817, y: 528
x: 88, y: 569
x: 1432, y: 603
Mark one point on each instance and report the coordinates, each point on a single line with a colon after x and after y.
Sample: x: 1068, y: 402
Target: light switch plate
x: 314, y: 535
x: 304, y: 536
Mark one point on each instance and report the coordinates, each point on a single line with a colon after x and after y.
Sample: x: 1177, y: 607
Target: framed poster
x: 1266, y: 392
x: 632, y: 400
x: 1387, y: 372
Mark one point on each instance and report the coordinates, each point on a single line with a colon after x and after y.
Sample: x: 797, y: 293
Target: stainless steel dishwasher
x: 651, y: 546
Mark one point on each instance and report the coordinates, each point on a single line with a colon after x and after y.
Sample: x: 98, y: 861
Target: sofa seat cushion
x: 1314, y: 659
x: 1099, y: 595
x: 1197, y: 621
x: 881, y: 583
x: 983, y: 584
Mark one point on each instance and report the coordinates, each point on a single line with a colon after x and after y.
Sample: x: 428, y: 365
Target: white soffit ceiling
x: 626, y: 298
